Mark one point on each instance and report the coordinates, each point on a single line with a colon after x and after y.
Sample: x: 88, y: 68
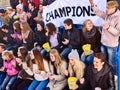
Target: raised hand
x: 91, y: 2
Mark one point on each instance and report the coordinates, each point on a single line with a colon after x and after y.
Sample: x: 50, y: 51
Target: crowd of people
x: 87, y: 54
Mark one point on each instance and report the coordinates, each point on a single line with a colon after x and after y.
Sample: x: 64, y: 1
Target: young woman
x: 27, y: 35
x: 90, y: 34
x: 76, y: 67
x: 38, y: 68
x: 57, y: 68
x: 23, y: 79
x: 10, y: 67
x: 40, y: 37
x: 53, y: 37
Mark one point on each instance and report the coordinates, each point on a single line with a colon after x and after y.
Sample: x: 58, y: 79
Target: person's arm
x: 96, y: 10
x: 115, y: 30
x: 61, y: 76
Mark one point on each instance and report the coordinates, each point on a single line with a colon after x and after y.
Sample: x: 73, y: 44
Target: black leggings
x: 20, y: 84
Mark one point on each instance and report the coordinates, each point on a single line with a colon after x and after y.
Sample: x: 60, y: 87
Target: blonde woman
x: 9, y: 67
x: 27, y: 35
x: 90, y: 34
x: 57, y: 68
x: 76, y: 67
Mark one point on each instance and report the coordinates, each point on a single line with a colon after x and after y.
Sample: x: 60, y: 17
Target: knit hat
x: 41, y: 23
x: 74, y: 55
x: 20, y: 6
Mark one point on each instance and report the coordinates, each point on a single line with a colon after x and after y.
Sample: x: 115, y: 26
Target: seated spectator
x: 27, y: 35
x: 32, y: 14
x: 4, y: 17
x: 99, y: 75
x: 76, y: 67
x: 38, y: 69
x: 90, y: 34
x: 40, y: 37
x: 9, y: 67
x: 7, y: 38
x: 39, y: 15
x: 2, y: 73
x: 70, y: 38
x: 53, y: 37
x: 11, y: 13
x: 24, y: 79
x: 21, y: 14
x: 57, y: 68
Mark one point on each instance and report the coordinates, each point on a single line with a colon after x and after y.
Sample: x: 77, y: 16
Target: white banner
x: 77, y: 10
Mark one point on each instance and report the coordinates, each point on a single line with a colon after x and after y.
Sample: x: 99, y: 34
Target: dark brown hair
x: 51, y: 27
x: 68, y: 21
x: 100, y: 56
x: 23, y: 52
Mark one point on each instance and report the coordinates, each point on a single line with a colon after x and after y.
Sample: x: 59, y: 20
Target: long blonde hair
x: 84, y: 28
x: 8, y: 54
x: 77, y: 68
x: 58, y: 58
x: 25, y: 30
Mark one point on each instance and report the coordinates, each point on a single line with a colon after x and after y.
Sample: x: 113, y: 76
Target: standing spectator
x: 90, y: 34
x: 69, y: 37
x: 2, y: 73
x: 110, y: 31
x: 57, y: 68
x: 14, y: 3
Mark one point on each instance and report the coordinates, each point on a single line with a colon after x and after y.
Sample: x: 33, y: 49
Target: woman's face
x: 32, y: 55
x: 89, y: 25
x: 72, y: 62
x: 5, y: 57
x: 47, y: 29
x: 97, y: 63
x: 18, y: 53
x: 52, y: 57
x: 39, y: 27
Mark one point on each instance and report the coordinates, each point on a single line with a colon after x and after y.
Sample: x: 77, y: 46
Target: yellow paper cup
x: 86, y: 48
x: 72, y: 82
x: 46, y: 46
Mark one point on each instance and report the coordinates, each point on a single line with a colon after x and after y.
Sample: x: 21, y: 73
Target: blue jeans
x: 88, y: 59
x: 65, y: 52
x: 8, y: 81
x: 2, y: 76
x: 38, y: 85
x: 110, y: 53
